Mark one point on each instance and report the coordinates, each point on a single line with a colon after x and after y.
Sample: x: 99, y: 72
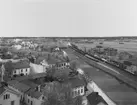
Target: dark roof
x: 21, y: 64
x: 75, y: 82
x: 40, y: 58
x: 34, y: 93
x: 64, y: 71
x: 33, y: 76
x: 17, y: 85
x: 29, y: 83
x: 38, y: 75
x: 95, y: 99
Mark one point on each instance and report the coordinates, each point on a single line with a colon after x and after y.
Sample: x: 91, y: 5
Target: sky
x: 68, y: 18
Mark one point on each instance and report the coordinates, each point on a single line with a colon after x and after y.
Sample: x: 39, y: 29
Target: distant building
x: 21, y: 68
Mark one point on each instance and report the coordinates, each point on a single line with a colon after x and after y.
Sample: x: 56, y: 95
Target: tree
x: 60, y: 94
x: 73, y: 65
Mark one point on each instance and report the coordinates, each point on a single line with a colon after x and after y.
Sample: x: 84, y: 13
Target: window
x: 12, y: 102
x: 78, y: 92
x: 81, y: 90
x: 6, y: 96
x: 21, y: 70
x: 31, y: 103
x: 15, y: 72
x: 26, y: 70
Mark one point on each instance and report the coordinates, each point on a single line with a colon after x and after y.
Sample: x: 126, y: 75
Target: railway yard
x: 118, y: 85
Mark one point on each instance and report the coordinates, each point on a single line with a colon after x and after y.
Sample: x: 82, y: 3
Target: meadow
x: 130, y: 47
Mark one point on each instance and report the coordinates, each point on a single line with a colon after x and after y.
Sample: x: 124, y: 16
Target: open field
x: 127, y: 46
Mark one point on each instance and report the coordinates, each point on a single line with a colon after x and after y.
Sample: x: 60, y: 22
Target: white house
x: 21, y: 67
x: 33, y: 97
x: 37, y: 68
x: 28, y: 94
x: 9, y: 96
x: 78, y: 86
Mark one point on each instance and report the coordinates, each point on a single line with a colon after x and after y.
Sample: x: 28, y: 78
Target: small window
x: 31, y: 103
x: 6, y: 96
x: 26, y: 70
x: 15, y: 72
x: 81, y: 90
x: 12, y: 102
x: 21, y: 70
x: 78, y: 92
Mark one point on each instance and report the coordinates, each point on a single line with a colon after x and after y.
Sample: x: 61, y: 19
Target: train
x: 96, y: 58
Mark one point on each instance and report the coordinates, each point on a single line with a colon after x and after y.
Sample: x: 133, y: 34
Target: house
x: 95, y: 99
x: 37, y: 68
x: 9, y: 96
x: 21, y: 68
x: 51, y: 61
x: 77, y: 85
x: 34, y: 97
x: 29, y: 91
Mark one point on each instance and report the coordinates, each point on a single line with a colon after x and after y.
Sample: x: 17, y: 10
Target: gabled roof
x: 21, y: 64
x: 34, y: 93
x: 40, y: 58
x: 75, y: 82
x: 29, y: 83
x: 19, y: 86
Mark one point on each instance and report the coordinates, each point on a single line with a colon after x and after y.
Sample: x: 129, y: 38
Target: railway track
x: 109, y: 70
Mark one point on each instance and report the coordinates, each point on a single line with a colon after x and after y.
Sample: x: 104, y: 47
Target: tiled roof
x: 75, y: 82
x: 64, y: 71
x: 40, y: 58
x: 19, y: 86
x: 21, y: 64
x: 29, y: 83
x: 33, y: 76
x: 34, y: 93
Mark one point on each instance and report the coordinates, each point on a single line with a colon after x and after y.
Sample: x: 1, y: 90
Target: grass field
x: 130, y: 47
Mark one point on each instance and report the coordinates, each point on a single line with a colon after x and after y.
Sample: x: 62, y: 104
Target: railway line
x: 124, y: 77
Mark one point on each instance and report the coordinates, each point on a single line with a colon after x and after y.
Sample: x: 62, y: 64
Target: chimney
x: 38, y: 88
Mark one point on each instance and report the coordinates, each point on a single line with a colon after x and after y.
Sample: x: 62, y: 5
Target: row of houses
x: 26, y: 91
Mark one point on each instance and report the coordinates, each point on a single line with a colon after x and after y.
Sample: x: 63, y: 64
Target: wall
x: 34, y: 100
x: 18, y: 71
x: 13, y: 97
x: 75, y: 91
